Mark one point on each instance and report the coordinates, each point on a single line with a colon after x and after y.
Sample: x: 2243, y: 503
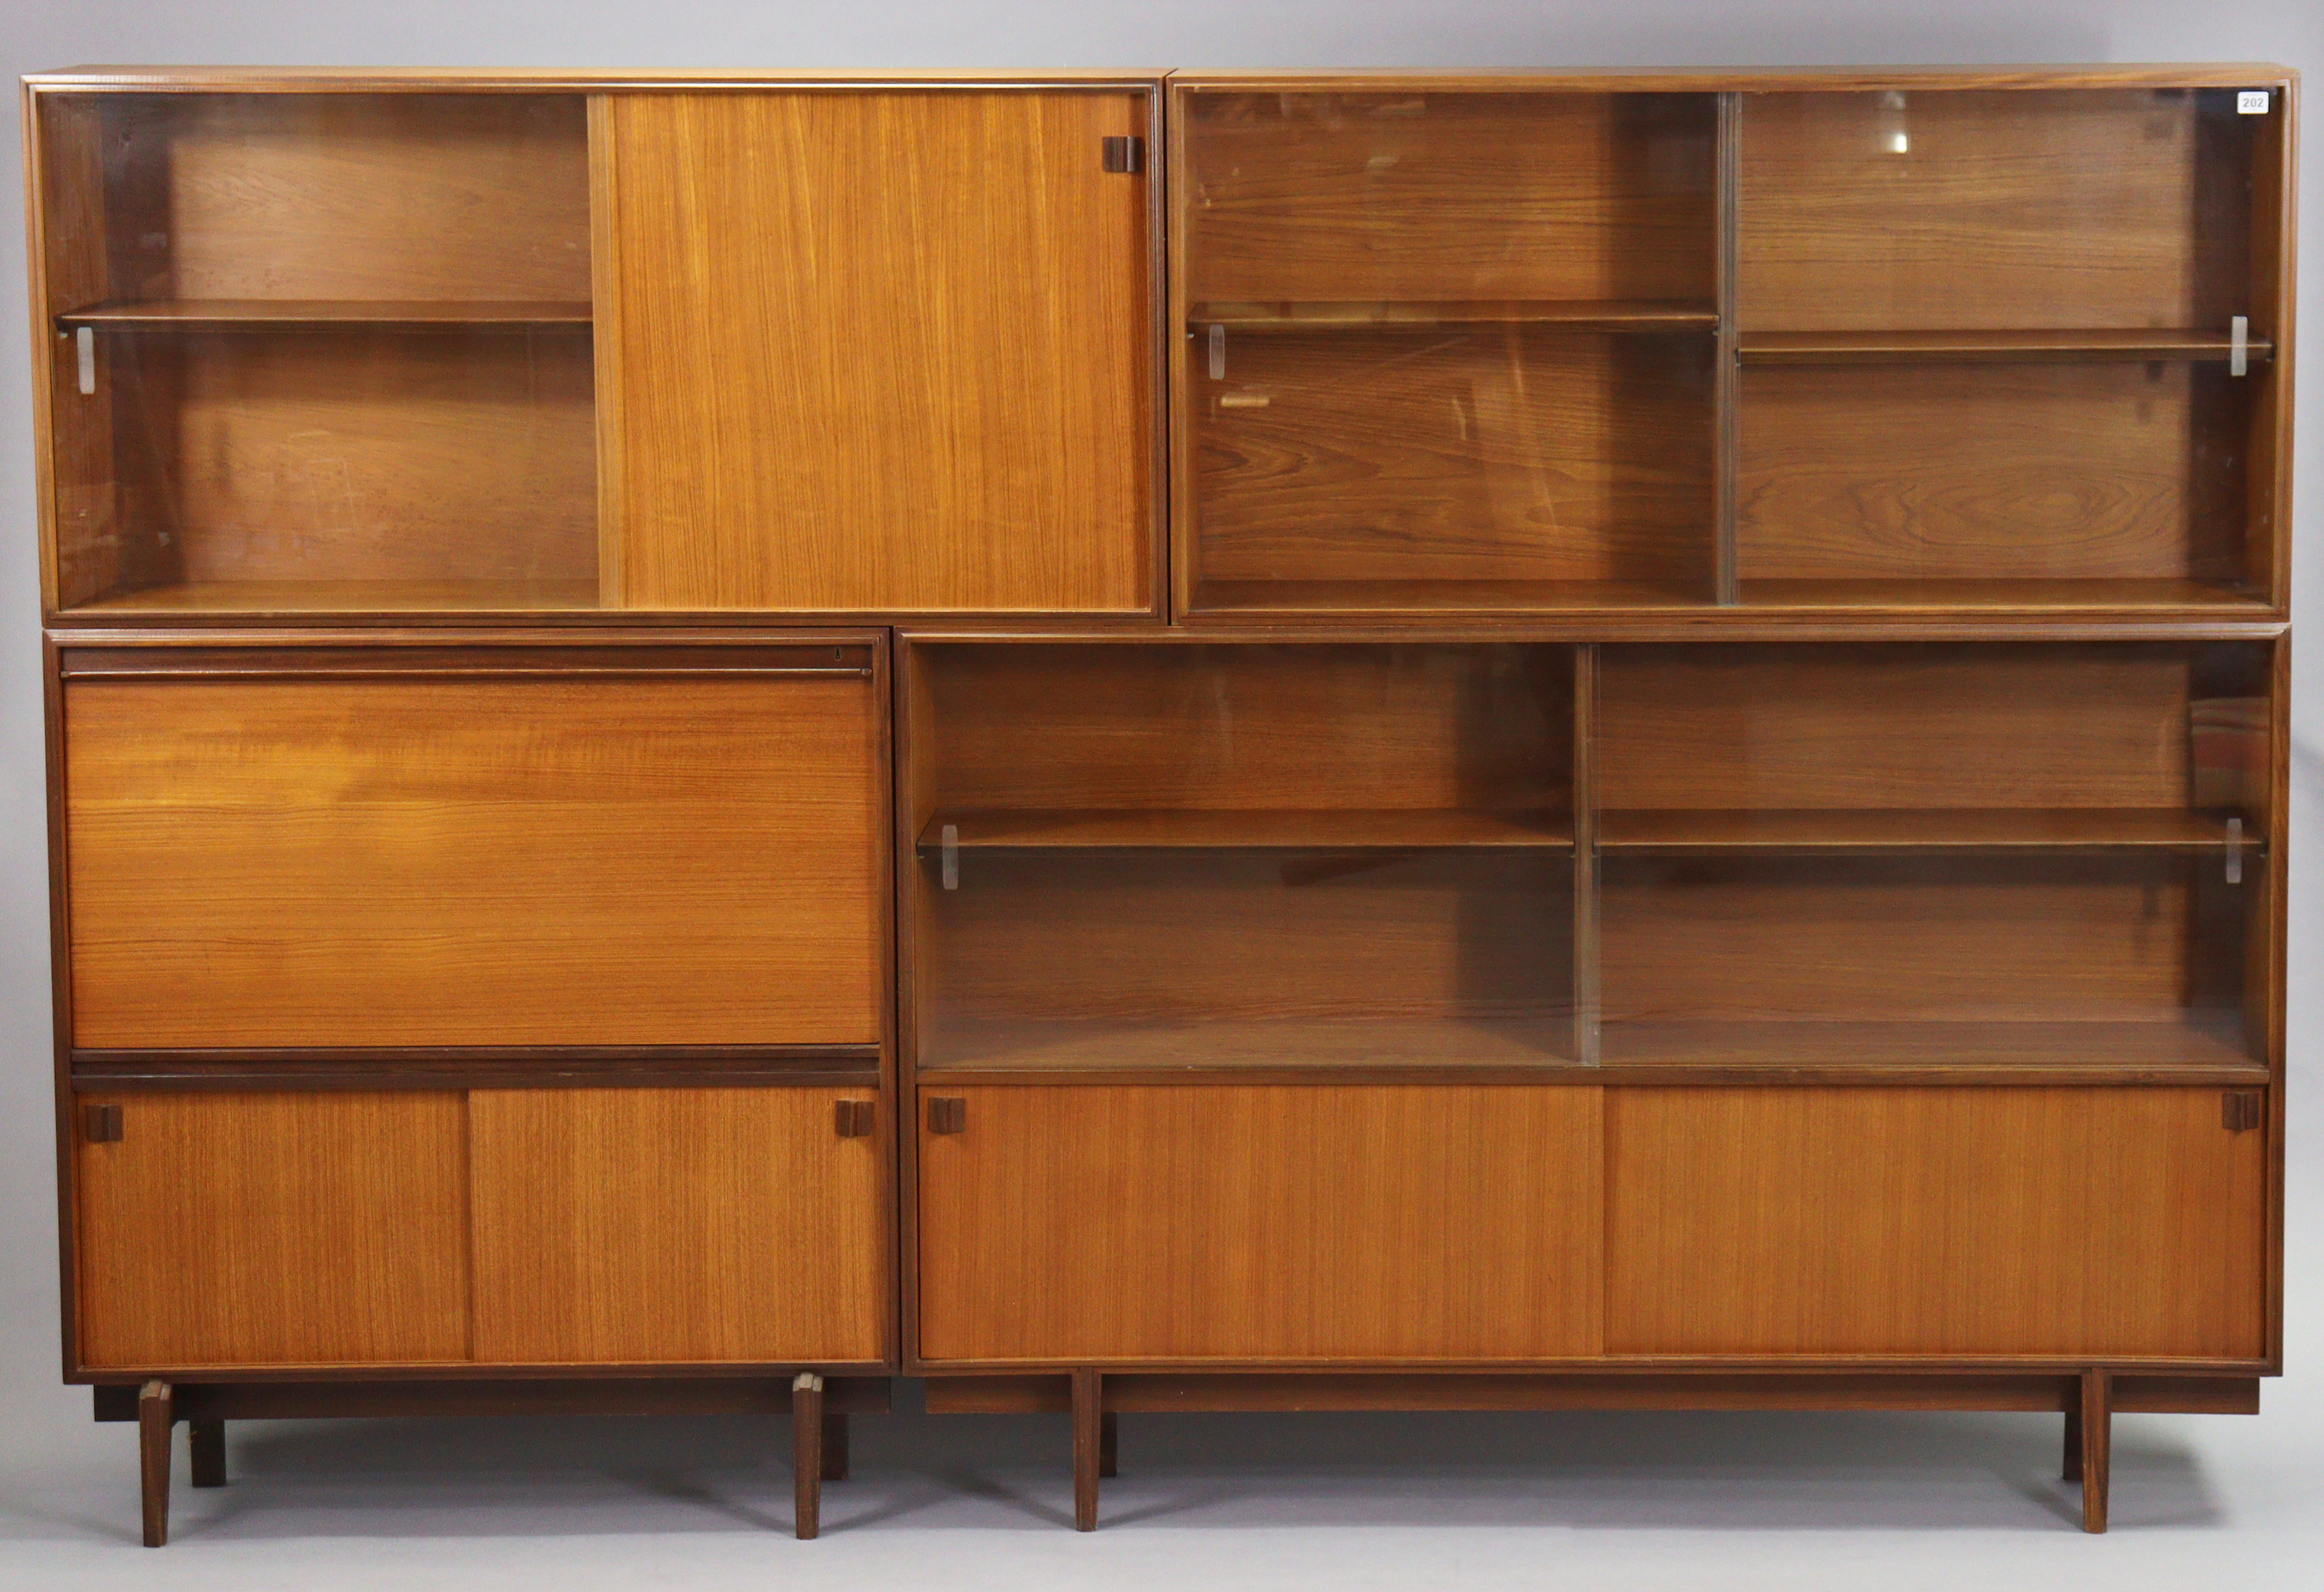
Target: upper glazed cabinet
x: 807, y: 349
x: 1456, y: 347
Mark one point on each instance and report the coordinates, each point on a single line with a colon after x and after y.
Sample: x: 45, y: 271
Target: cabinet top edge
x: 1740, y: 79
x: 539, y: 80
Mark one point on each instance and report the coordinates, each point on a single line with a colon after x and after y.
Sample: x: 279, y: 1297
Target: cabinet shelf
x: 1993, y: 347
x: 1095, y: 1046
x: 1908, y: 830
x: 333, y: 314
x: 2207, y: 1045
x: 346, y: 596
x: 1316, y: 315
x: 1329, y: 829
x: 1982, y: 596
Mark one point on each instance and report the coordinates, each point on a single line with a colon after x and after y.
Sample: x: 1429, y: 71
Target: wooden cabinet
x: 878, y: 351
x: 313, y: 1229
x: 1259, y: 1224
x: 687, y: 1225
x: 289, y: 849
x: 2027, y: 1223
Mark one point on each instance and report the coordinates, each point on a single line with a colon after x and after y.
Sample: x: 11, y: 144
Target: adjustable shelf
x: 1067, y: 1047
x: 332, y: 314
x: 1312, y: 315
x: 1908, y: 830
x: 1327, y: 830
x: 2199, y: 1045
x: 291, y: 597
x: 2053, y: 595
x: 1998, y: 347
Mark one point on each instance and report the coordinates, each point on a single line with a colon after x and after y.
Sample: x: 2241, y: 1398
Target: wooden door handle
x: 101, y: 1125
x: 855, y: 1118
x: 947, y: 1114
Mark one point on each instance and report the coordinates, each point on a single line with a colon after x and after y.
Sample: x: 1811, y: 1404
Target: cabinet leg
x: 2097, y: 1442
x: 835, y: 1448
x: 2072, y: 1468
x: 205, y: 1444
x: 807, y: 1453
x: 1108, y: 1445
x: 1088, y: 1421
x: 155, y: 1416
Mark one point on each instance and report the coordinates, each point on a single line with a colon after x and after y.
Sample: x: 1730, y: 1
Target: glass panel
x: 2015, y: 854
x: 1157, y: 855
x: 1450, y: 350
x: 1990, y: 343
x: 338, y: 351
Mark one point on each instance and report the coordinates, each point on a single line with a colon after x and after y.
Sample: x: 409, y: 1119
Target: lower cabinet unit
x: 2018, y: 1223
x: 692, y: 1225
x: 311, y: 1228
x: 1274, y: 1223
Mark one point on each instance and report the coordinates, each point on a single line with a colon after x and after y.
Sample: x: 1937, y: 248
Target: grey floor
x: 1219, y: 1502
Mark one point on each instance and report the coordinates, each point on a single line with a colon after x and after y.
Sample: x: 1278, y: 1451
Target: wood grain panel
x: 352, y: 456
x: 1256, y: 1224
x: 1956, y: 1221
x: 882, y: 351
x: 1480, y: 727
x: 252, y: 1229
x: 1194, y: 939
x: 548, y: 860
x: 634, y: 1224
x: 1992, y: 472
x: 330, y: 196
x: 1520, y: 453
x: 1936, y: 210
x: 1408, y: 193
x: 1897, y: 726
x: 1949, y: 938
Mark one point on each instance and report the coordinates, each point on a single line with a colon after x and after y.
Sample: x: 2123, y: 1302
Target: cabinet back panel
x: 880, y: 351
x: 306, y: 1229
x: 1942, y: 1222
x: 1912, y: 726
x: 1414, y: 194
x: 363, y: 197
x: 1251, y: 1223
x: 595, y: 861
x: 697, y: 1224
x: 1477, y: 726
x: 1944, y: 210
x: 1516, y: 454
x: 349, y: 458
x: 2104, y: 937
x: 1992, y: 472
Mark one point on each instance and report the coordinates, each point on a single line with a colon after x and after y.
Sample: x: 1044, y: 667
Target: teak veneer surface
x: 252, y: 1229
x: 2029, y: 1222
x: 878, y: 351
x: 459, y: 861
x: 637, y: 1225
x: 1255, y: 1223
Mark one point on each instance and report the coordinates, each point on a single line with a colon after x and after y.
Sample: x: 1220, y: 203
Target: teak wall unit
x: 1142, y: 741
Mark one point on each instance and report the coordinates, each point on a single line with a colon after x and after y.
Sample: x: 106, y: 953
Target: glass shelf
x: 1992, y: 347
x: 1352, y: 829
x: 1998, y: 829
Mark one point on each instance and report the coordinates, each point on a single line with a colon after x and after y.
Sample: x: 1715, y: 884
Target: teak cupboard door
x: 876, y: 350
x: 502, y: 853
x: 694, y: 1225
x: 1190, y: 1222
x: 271, y: 1229
x: 1951, y: 1221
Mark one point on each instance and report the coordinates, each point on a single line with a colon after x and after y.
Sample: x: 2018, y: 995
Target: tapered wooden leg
x: 807, y: 1453
x: 205, y: 1444
x: 1109, y: 1450
x: 835, y: 1448
x: 154, y: 1419
x: 1089, y: 1423
x: 2097, y: 1442
x: 2072, y: 1469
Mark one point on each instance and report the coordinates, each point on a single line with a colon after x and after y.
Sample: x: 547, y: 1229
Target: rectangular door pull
x: 855, y: 1117
x: 947, y: 1114
x: 102, y: 1125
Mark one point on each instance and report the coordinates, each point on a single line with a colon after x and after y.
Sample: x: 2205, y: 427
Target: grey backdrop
x: 1639, y: 1500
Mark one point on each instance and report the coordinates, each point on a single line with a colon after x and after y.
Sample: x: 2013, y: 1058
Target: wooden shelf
x: 2210, y: 1044
x: 1990, y: 348
x: 1322, y: 829
x: 335, y: 315
x: 1994, y: 596
x: 1367, y: 598
x: 346, y: 596
x: 1609, y: 315
x: 1345, y: 1042
x: 1904, y: 830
